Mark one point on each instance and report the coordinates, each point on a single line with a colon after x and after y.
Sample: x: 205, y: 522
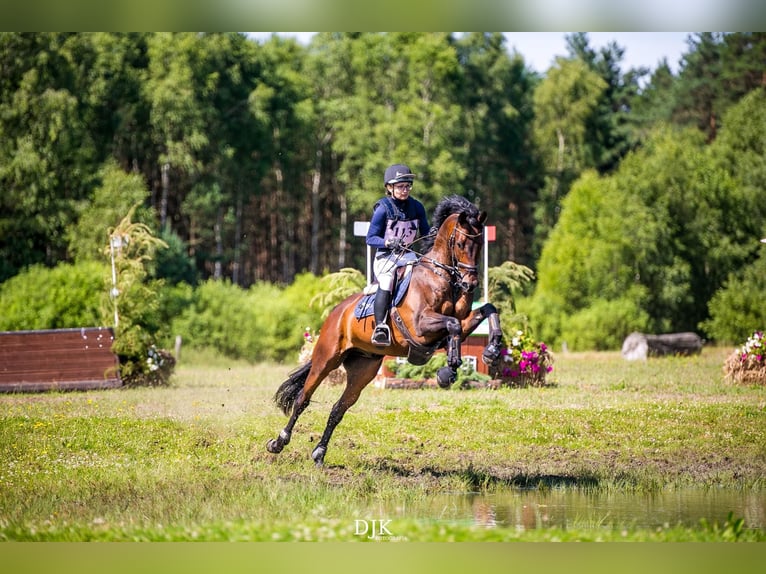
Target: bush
x: 262, y: 323
x: 604, y: 325
x: 739, y: 305
x: 465, y: 373
x: 174, y: 264
x: 65, y: 296
x: 137, y: 303
x: 221, y: 316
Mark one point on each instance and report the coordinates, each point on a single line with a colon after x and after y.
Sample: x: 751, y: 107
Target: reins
x: 454, y: 274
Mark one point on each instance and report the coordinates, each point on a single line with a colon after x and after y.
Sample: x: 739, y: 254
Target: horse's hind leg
x: 319, y: 370
x: 360, y: 370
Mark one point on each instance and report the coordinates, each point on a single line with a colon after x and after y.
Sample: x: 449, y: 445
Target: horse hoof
x: 490, y: 355
x: 273, y: 446
x: 318, y: 455
x: 445, y: 377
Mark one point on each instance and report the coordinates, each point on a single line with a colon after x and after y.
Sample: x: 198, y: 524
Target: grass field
x: 188, y: 462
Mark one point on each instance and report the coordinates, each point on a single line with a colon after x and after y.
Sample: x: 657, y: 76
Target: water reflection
x: 572, y: 508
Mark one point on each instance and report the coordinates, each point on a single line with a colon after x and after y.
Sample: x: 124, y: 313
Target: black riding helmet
x: 398, y: 173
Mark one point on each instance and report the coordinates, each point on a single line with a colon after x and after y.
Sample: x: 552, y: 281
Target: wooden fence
x: 58, y: 359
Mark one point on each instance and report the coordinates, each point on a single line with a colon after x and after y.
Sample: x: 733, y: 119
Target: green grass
x: 188, y: 462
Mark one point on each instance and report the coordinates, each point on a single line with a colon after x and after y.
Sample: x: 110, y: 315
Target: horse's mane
x: 447, y: 206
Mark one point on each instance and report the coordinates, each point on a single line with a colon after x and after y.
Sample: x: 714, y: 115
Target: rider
x: 396, y: 222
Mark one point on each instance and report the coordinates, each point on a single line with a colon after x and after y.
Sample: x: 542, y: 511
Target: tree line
x: 632, y: 193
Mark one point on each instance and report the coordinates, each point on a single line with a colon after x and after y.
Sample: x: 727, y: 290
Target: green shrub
x: 174, y: 264
x: 137, y: 305
x: 116, y: 193
x: 61, y: 297
x: 221, y: 316
x: 465, y: 374
x: 546, y: 316
x: 262, y: 323
x: 335, y: 287
x: 604, y: 325
x: 738, y: 308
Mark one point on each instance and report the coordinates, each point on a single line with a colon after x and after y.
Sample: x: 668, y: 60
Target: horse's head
x: 465, y: 244
x: 456, y: 240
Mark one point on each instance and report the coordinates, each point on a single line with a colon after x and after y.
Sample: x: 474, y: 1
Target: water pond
x: 527, y: 509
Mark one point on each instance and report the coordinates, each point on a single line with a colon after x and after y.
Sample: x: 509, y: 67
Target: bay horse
x: 436, y: 312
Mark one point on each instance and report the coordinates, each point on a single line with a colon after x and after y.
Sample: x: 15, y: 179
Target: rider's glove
x: 394, y: 244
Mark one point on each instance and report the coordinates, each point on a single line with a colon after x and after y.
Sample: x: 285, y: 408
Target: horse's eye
x: 461, y: 244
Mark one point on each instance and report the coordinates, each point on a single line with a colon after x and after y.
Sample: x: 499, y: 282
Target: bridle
x: 457, y: 265
x: 458, y: 270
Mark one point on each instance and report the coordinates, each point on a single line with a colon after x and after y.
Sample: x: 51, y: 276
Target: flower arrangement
x: 309, y: 339
x: 525, y: 361
x: 747, y: 364
x: 155, y: 370
x: 754, y: 349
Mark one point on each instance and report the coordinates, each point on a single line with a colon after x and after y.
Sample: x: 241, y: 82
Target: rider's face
x: 401, y: 190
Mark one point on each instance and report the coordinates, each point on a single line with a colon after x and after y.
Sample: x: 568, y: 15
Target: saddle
x: 402, y: 281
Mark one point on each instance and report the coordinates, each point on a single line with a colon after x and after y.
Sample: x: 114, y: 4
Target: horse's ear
x: 482, y: 217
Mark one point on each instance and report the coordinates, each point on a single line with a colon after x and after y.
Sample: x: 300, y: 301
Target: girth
x: 417, y: 354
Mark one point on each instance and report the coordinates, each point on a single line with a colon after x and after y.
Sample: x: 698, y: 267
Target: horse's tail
x: 288, y: 391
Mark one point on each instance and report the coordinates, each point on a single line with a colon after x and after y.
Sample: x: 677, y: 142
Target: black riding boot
x: 381, y: 336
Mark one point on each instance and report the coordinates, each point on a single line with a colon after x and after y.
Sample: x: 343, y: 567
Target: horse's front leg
x: 433, y: 323
x: 492, y: 351
x: 446, y: 376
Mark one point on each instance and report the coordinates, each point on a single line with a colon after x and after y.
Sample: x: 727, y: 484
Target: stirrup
x: 381, y: 336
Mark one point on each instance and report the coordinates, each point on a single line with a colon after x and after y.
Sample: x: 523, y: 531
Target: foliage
x: 603, y: 239
x: 47, y: 153
x: 611, y: 242
x: 174, y: 264
x: 115, y: 195
x: 264, y: 322
x: 716, y: 72
x: 336, y: 287
x: 465, y: 373
x: 738, y: 305
x: 288, y: 313
x: 135, y: 300
x: 253, y: 165
x: 605, y: 324
x: 224, y: 317
x: 506, y: 282
x: 66, y: 296
x: 565, y: 102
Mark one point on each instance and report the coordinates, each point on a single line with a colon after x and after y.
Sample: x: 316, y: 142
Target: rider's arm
x: 377, y: 229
